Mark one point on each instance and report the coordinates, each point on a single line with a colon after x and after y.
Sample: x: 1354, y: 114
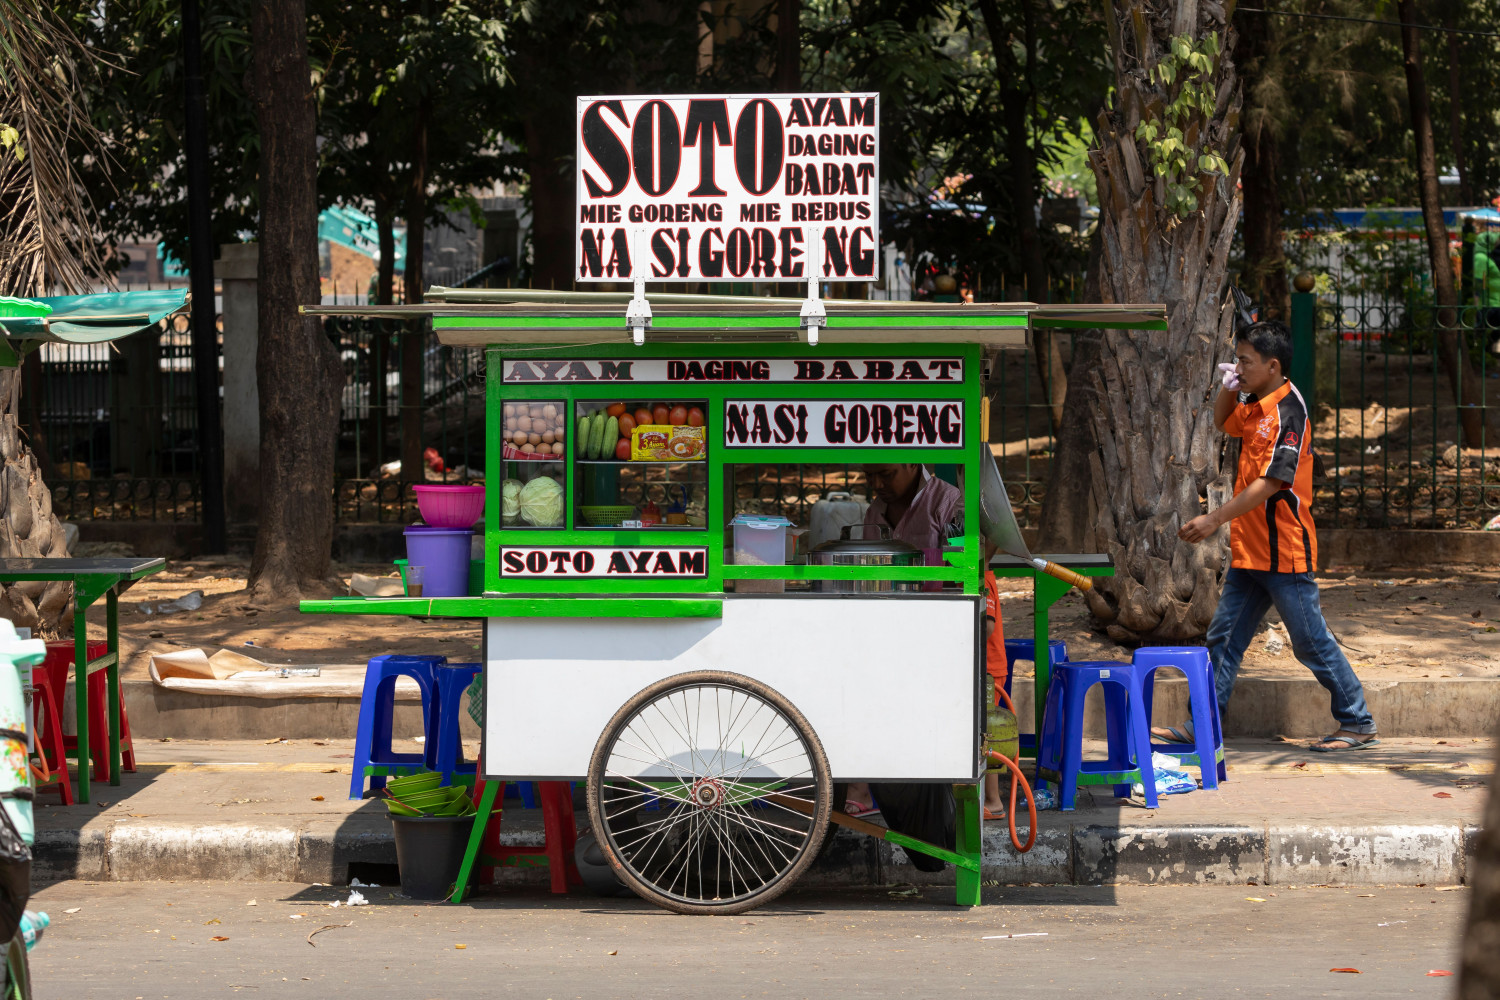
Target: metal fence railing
x: 119, y: 444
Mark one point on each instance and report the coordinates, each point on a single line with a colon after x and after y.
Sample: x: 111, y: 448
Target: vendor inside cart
x: 923, y: 511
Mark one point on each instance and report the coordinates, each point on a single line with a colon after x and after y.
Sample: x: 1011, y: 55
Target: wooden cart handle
x: 1064, y: 574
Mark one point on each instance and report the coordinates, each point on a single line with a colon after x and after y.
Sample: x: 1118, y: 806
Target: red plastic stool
x: 60, y: 656
x: 46, y: 705
x: 560, y: 834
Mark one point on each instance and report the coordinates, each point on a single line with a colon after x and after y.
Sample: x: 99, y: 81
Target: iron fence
x: 1387, y: 432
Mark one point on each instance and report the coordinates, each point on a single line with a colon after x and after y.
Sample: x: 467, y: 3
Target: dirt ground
x: 1443, y: 624
x: 1440, y: 624
x: 280, y: 635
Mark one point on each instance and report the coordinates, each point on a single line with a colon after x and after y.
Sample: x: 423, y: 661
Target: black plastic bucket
x: 430, y: 851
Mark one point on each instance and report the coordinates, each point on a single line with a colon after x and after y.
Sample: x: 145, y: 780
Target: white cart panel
x: 888, y: 684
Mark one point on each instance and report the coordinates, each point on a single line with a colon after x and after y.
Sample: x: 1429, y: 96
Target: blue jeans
x: 1248, y: 595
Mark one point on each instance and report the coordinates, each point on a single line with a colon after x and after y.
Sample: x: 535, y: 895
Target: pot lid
x: 870, y: 546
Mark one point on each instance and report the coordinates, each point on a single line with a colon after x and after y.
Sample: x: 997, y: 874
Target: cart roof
x: 481, y: 317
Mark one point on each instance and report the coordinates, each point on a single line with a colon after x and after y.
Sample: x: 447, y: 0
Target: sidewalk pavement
x: 1404, y: 813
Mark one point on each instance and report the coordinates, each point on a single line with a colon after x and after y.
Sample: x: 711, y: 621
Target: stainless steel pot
x: 882, y: 550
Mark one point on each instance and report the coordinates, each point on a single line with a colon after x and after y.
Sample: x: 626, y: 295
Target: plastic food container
x: 760, y: 540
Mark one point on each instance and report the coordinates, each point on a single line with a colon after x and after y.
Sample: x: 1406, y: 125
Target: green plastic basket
x: 605, y: 517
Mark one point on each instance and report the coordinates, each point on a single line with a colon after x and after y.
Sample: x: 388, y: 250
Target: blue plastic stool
x: 1203, y: 702
x: 445, y: 747
x: 1129, y: 735
x: 1025, y: 649
x: 373, y: 756
x: 523, y: 790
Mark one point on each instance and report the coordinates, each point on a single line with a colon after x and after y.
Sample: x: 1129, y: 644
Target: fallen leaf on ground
x: 1254, y: 899
x: 1355, y: 971
x: 1300, y: 764
x: 73, y: 910
x: 615, y: 952
x: 210, y: 923
x: 1442, y: 795
x: 279, y: 739
x: 1439, y: 972
x: 317, y: 798
x: 459, y: 947
x: 1365, y: 895
x: 218, y: 937
x: 1449, y: 888
x: 252, y: 903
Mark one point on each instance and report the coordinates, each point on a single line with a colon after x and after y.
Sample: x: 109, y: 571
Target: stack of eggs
x: 535, y: 428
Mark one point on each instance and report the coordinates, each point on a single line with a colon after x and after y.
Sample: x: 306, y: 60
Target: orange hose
x: 45, y: 774
x: 1017, y: 779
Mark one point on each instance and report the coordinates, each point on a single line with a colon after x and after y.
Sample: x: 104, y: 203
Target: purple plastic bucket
x: 445, y: 553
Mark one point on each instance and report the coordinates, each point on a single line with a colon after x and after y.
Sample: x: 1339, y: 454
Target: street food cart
x: 709, y: 692
x: 709, y: 714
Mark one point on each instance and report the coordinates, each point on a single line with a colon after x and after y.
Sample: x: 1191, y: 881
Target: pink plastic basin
x: 450, y: 506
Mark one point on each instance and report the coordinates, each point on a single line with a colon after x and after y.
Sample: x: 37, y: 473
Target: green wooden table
x: 1046, y: 591
x: 91, y: 579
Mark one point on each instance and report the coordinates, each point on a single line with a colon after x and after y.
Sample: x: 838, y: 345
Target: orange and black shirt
x: 1276, y: 441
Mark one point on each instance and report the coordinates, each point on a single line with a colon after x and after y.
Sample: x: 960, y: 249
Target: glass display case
x: 534, y: 483
x: 641, y: 464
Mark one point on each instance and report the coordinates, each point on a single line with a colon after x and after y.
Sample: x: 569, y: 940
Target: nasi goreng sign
x: 721, y: 188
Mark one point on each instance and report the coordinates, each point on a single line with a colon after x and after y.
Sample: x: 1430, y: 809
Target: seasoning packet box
x: 667, y: 443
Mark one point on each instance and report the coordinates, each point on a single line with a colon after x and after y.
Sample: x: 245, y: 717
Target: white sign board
x: 692, y: 370
x: 844, y: 423
x: 728, y: 188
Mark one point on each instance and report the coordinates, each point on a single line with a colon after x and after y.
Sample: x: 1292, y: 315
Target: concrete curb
x: 1065, y: 854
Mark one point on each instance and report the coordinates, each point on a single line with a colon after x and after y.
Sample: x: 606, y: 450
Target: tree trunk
x: 28, y: 528
x: 1479, y: 972
x: 788, y: 46
x: 414, y: 338
x: 380, y: 340
x: 1016, y: 105
x: 296, y: 365
x: 1068, y: 514
x: 1456, y: 121
x: 1158, y: 454
x: 549, y: 155
x: 1451, y: 342
x: 1265, y: 259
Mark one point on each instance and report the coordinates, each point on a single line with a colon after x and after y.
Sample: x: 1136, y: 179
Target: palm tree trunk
x: 1158, y: 454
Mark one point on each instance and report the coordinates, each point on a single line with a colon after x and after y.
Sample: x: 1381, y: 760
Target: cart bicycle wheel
x: 709, y: 793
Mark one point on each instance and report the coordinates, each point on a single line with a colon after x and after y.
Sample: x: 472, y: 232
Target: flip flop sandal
x: 1178, y: 734
x: 1350, y: 743
x: 994, y: 814
x: 859, y: 810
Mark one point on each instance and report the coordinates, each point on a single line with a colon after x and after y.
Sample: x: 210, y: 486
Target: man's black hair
x: 1270, y: 340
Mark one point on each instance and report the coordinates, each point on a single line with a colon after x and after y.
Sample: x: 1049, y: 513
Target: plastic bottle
x: 33, y: 922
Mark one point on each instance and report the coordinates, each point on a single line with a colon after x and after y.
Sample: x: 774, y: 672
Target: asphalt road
x: 149, y: 940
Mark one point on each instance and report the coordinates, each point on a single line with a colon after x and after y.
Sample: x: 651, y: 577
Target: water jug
x: 830, y: 515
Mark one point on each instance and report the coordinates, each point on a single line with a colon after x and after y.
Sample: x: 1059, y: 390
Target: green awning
x: 89, y: 319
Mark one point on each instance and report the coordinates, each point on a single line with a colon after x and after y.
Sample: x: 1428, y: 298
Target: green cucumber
x: 581, y: 439
x: 611, y: 436
x: 596, y: 435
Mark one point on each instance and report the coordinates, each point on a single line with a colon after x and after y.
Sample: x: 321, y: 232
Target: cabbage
x: 541, y: 502
x: 510, y: 499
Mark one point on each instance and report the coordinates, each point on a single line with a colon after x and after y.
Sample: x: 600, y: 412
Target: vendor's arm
x: 1251, y: 497
x: 1224, y: 406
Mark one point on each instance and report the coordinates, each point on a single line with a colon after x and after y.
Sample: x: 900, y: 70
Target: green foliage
x: 950, y: 185
x: 1187, y: 71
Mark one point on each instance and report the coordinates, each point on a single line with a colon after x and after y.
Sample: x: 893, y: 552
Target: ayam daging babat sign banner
x: 713, y: 188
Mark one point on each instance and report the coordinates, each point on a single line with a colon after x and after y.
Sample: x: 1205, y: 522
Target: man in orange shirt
x: 1273, y: 547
